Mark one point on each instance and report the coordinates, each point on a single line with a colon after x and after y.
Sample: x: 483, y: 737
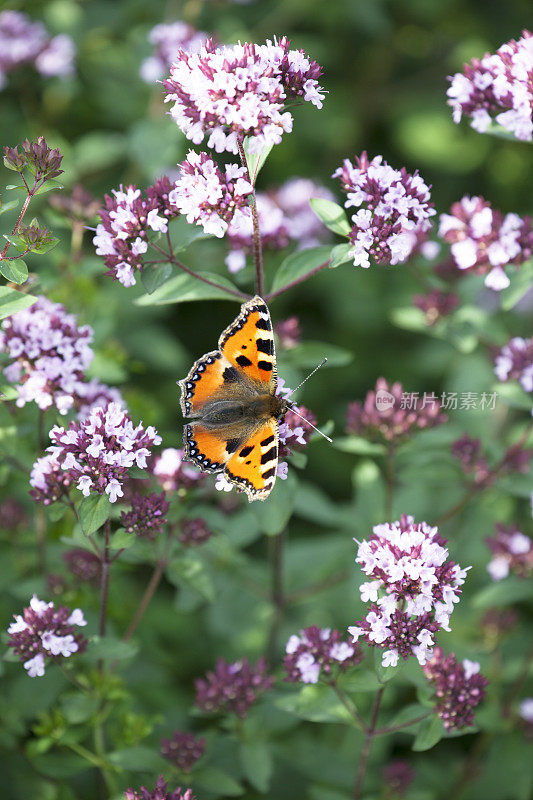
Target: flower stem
x: 171, y: 259
x: 390, y: 480
x: 296, y: 281
x: 258, y: 247
x: 104, y: 582
x: 367, y: 745
x: 275, y: 546
x: 402, y: 725
x: 149, y: 592
x: 349, y: 706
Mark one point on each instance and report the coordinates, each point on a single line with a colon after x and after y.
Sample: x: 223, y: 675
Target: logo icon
x: 384, y: 400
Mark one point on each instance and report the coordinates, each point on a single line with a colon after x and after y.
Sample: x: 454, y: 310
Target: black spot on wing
x: 246, y: 451
x: 264, y: 365
x: 230, y: 375
x: 242, y: 361
x: 270, y: 455
x: 263, y: 324
x: 269, y: 473
x: 268, y: 440
x: 232, y: 445
x: 265, y: 346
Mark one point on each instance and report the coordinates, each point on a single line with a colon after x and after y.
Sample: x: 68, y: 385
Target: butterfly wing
x: 207, y: 448
x: 248, y: 344
x: 207, y: 378
x: 252, y: 466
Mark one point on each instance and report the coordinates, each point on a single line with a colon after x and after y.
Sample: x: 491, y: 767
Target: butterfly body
x: 230, y: 397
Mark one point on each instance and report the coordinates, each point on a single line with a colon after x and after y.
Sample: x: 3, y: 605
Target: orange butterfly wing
x: 253, y: 465
x: 205, y: 447
x: 204, y: 380
x: 248, y: 343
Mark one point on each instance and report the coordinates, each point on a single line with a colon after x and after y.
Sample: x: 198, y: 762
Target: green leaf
x: 430, y: 732
x: 256, y: 761
x: 93, y: 511
x: 359, y: 446
x: 190, y: 571
x: 79, y: 707
x: 184, y: 288
x: 14, y: 270
x: 513, y: 394
x: 49, y: 186
x: 309, y: 354
x: 341, y: 254
x: 154, y: 276
x: 137, y: 759
x: 12, y: 301
x: 385, y: 674
x: 316, y: 703
x: 45, y: 247
x: 503, y: 593
x: 299, y: 264
x: 273, y: 514
x: 255, y: 161
x: 521, y: 283
x: 359, y: 681
x: 184, y: 233
x: 122, y: 540
x: 332, y: 215
x: 214, y: 780
x: 495, y: 129
x: 8, y: 206
x: 108, y: 648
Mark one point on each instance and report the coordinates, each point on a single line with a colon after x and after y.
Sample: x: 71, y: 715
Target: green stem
x: 295, y: 282
x: 349, y: 706
x: 367, y: 746
x: 258, y: 246
x: 149, y: 592
x: 402, y: 725
x: 390, y: 480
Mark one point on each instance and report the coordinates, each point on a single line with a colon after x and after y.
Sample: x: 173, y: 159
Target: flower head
x: 390, y: 414
x: 497, y: 87
x: 232, y: 688
x: 49, y: 481
x: 209, y: 197
x: 146, y: 516
x: 127, y: 221
x: 288, y: 333
x: 318, y: 650
x: 49, y: 353
x: 83, y: 564
x: 228, y: 93
x: 398, y: 777
x: 459, y: 688
x: 97, y: 451
x: 173, y: 473
x: 78, y: 206
x: 12, y: 515
x: 45, y: 632
x: 515, y: 362
x: 194, y: 532
x: 512, y: 551
x: 412, y: 591
x: 183, y: 750
x: 436, y: 304
x: 484, y: 241
x: 473, y: 461
x: 160, y: 792
x: 168, y: 39
x: 394, y: 210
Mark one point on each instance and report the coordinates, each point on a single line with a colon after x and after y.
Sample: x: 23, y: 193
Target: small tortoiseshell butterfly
x: 231, y: 395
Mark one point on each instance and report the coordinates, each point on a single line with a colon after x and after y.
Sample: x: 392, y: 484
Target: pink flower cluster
x: 315, y: 651
x: 485, y: 241
x: 228, y: 93
x: 473, y: 460
x: 173, y: 473
x: 208, y: 197
x: 396, y: 211
x: 284, y: 216
x: 146, y: 516
x: 383, y: 415
x: 127, y: 220
x: 25, y: 42
x: 96, y: 453
x: 160, y: 792
x: 412, y: 592
x: 49, y: 481
x: 168, y: 39
x: 515, y: 362
x: 232, y: 688
x: 459, y: 688
x: 194, y: 532
x: 498, y: 86
x: 436, y: 304
x: 512, y: 551
x: 183, y: 750
x: 45, y: 632
x: 50, y: 355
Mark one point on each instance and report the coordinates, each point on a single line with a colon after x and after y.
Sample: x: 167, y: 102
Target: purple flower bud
x: 232, y: 688
x: 398, y: 777
x: 412, y: 589
x: 79, y: 205
x: 194, y: 532
x: 436, y: 304
x: 183, y: 750
x: 515, y: 362
x: 12, y: 515
x: 45, y: 632
x: 160, y: 792
x: 459, y: 688
x: 41, y: 159
x: 168, y: 39
x: 84, y: 565
x: 317, y: 651
x: 497, y: 87
x: 512, y: 551
x: 146, y: 516
x: 288, y: 333
x: 173, y: 473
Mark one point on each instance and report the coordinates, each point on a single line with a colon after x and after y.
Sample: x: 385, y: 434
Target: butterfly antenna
x: 306, y: 379
x: 311, y: 424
